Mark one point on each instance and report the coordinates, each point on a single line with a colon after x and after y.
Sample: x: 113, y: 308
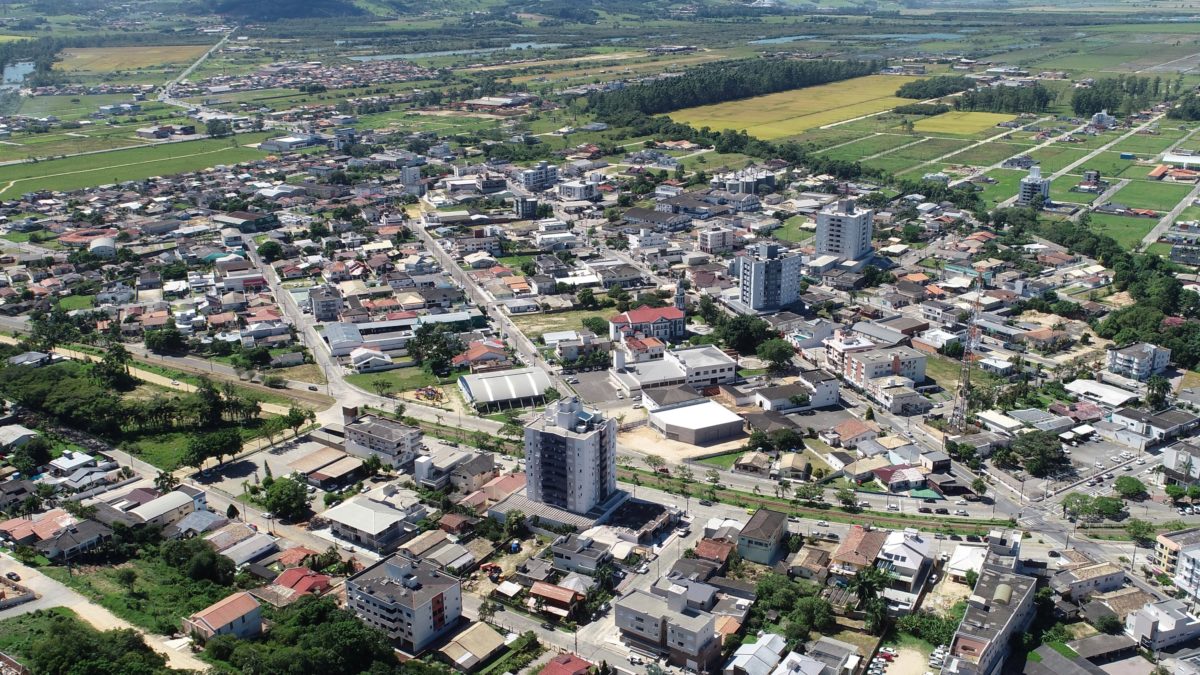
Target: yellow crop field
x: 960, y: 122
x: 788, y: 113
x: 107, y: 59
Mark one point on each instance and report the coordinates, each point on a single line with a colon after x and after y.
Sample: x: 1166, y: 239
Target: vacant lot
x: 791, y: 112
x: 1127, y: 231
x: 870, y: 146
x: 107, y: 59
x: 1146, y: 195
x: 73, y: 173
x: 534, y: 325
x: 964, y: 123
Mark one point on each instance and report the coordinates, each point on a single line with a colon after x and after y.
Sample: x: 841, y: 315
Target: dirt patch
x: 909, y: 662
x: 1119, y: 300
x: 945, y: 595
x: 650, y: 442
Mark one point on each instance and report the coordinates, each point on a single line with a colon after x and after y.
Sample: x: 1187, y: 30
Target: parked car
x: 13, y: 576
x: 822, y: 523
x: 924, y: 509
x: 705, y: 502
x: 961, y: 512
x: 943, y: 512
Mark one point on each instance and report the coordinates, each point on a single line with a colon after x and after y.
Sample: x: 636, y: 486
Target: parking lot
x: 822, y: 419
x: 594, y: 387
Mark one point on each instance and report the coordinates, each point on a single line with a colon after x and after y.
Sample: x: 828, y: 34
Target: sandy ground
x: 648, y: 441
x: 909, y: 662
x: 945, y: 595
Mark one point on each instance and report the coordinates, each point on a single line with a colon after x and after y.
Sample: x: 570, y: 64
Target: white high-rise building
x: 1035, y: 190
x: 571, y: 457
x: 769, y: 277
x: 844, y: 230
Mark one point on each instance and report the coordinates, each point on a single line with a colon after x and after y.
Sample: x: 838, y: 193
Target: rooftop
x: 400, y: 581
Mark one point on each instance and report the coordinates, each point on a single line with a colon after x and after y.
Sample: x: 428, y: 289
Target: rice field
x: 789, y: 113
x: 962, y: 123
x: 108, y: 59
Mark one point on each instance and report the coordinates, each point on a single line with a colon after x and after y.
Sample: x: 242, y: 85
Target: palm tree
x: 875, y: 616
x: 165, y: 482
x: 867, y: 583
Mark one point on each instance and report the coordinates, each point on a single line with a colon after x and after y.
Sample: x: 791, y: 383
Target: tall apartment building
x: 769, y: 277
x: 1138, y: 361
x: 571, y: 457
x: 394, y: 443
x: 999, y: 608
x: 1034, y: 189
x: 325, y: 302
x: 1169, y: 546
x: 844, y: 230
x: 414, y: 603
x: 715, y: 239
x: 541, y: 176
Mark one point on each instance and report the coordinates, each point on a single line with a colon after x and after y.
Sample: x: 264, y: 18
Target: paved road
x: 54, y: 594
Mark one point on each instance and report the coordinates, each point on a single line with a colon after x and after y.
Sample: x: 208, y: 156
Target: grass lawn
x: 1128, y: 231
x: 1160, y: 249
x: 107, y: 59
x: 1145, y: 144
x: 1056, y: 157
x: 514, y: 261
x: 165, y: 449
x: 987, y: 154
x: 1007, y: 182
x: 1147, y: 195
x: 869, y: 146
x: 1060, y: 190
x: 964, y: 123
x: 534, y: 325
x: 72, y: 302
x: 1190, y: 380
x: 708, y: 161
x: 789, y: 113
x: 943, y: 370
x: 73, y: 173
x: 930, y: 148
x: 725, y: 461
x: 160, y: 596
x: 400, y: 379
x: 791, y: 230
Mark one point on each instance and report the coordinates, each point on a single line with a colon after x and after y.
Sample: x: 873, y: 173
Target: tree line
x: 935, y: 87
x: 1123, y: 94
x: 724, y: 81
x: 1005, y: 99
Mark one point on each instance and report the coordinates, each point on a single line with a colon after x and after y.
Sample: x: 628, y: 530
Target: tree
x: 777, y: 353
x: 165, y: 340
x: 28, y: 458
x: 867, y: 583
x: 1129, y: 487
x: 972, y: 577
x: 712, y: 476
x: 1109, y: 624
x: 270, y: 250
x: 127, y: 577
x: 298, y: 417
x: 979, y: 486
x: 286, y: 498
x: 1079, y: 505
x: 1139, y: 530
x: 1176, y: 493
x: 1157, y: 388
x: 218, y: 128
x: 655, y: 462
x: 1193, y: 491
x: 435, y: 345
x: 487, y: 610
x: 1108, y: 507
x: 232, y: 512
x: 744, y: 333
x: 165, y: 482
x: 875, y: 616
x: 846, y: 496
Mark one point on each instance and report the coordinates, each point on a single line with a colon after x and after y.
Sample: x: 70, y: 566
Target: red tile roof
x: 649, y: 315
x: 302, y: 580
x: 566, y: 664
x: 558, y: 594
x: 714, y: 549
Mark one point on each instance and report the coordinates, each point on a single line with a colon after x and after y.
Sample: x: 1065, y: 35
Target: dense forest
x: 1188, y: 108
x: 935, y: 87
x: 1123, y: 94
x: 724, y: 81
x: 1005, y: 99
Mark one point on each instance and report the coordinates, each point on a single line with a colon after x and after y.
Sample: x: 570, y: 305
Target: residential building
x: 413, y: 603
x: 577, y: 190
x: 325, y: 302
x: 394, y: 443
x: 817, y: 387
x: 573, y: 553
x: 769, y: 277
x: 1138, y: 361
x: 862, y: 367
x: 757, y: 658
x: 666, y: 626
x: 571, y: 456
x: 715, y: 239
x: 905, y: 555
x: 1161, y: 625
x: 840, y: 345
x: 844, y: 230
x: 541, y: 176
x: 761, y: 540
x: 1080, y: 581
x: 165, y: 510
x: 668, y: 324
x: 1169, y: 545
x: 378, y: 521
x: 239, y: 615
x: 1187, y: 571
x: 999, y: 608
x: 859, y: 549
x: 701, y: 366
x: 1034, y: 190
x: 474, y: 647
x: 1181, y: 462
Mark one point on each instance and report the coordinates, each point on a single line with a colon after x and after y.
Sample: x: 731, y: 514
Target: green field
x: 398, y: 380
x: 1147, y: 195
x: 1127, y: 231
x: 791, y: 230
x: 987, y: 154
x: 791, y: 112
x: 1007, y: 182
x: 963, y: 123
x: 929, y: 149
x: 870, y: 146
x: 1056, y: 157
x: 73, y: 173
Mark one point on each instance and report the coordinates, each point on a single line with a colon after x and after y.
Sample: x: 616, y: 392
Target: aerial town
x: 687, y: 343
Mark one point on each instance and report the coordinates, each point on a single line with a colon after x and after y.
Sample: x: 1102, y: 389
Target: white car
x: 961, y: 502
x: 822, y: 523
